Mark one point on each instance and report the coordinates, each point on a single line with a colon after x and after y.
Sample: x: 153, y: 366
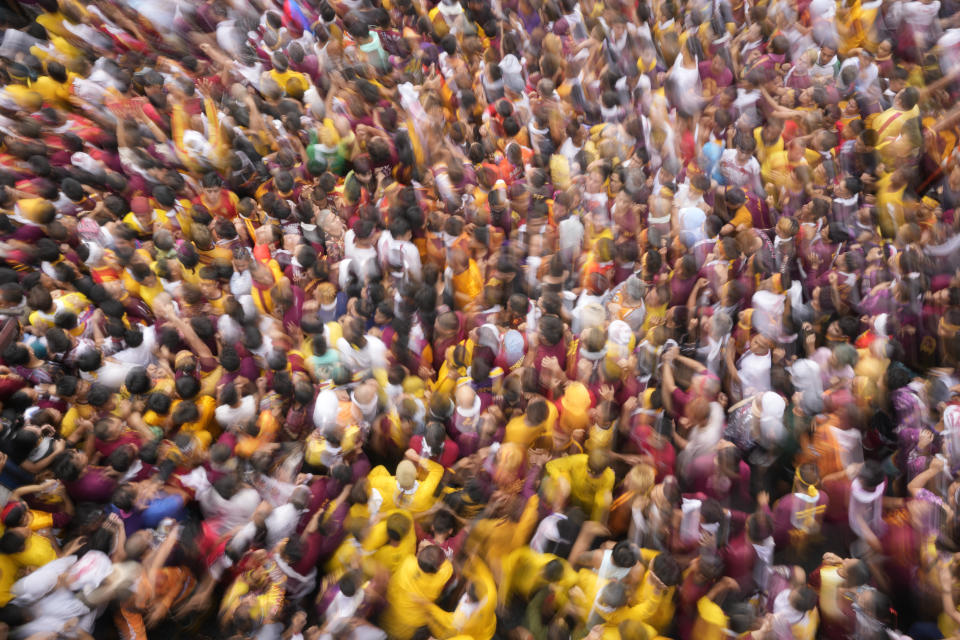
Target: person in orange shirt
x: 467, y: 279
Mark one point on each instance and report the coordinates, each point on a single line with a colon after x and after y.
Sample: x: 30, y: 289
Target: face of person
x: 759, y: 345
x: 210, y: 288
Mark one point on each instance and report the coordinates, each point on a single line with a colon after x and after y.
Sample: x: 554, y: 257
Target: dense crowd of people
x: 519, y: 319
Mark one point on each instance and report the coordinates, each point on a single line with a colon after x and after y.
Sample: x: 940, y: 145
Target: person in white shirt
x: 234, y: 409
x: 359, y: 249
x: 740, y: 168
x: 398, y: 256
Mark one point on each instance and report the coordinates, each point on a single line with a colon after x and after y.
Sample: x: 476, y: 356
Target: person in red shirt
x: 218, y: 201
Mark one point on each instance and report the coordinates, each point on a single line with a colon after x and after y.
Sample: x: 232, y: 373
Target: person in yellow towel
x: 405, y: 491
x: 418, y: 579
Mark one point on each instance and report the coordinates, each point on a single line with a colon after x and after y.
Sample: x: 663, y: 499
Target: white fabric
x: 325, y: 409
x: 690, y: 521
x: 282, y: 523
x: 762, y: 568
x: 866, y: 506
x: 228, y: 416
x: 225, y: 515
x: 754, y: 372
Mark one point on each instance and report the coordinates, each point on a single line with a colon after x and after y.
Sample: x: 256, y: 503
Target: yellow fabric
x: 519, y: 432
x: 522, y: 570
x: 421, y: 500
x: 53, y: 92
x: 268, y: 428
x: 53, y: 23
x: 266, y: 604
x: 830, y: 583
x: 711, y: 621
x: 343, y: 559
x: 764, y: 150
x: 8, y: 575
x: 742, y: 217
x: 37, y: 552
x: 409, y: 586
x: 560, y: 171
x: 807, y: 629
x: 890, y: 212
x: 659, y: 311
x: 611, y: 630
x: 21, y: 94
x: 145, y: 293
x: 482, y: 623
x: 777, y: 168
x: 498, y: 537
x: 74, y: 413
x: 469, y: 282
x: 655, y: 606
x: 592, y: 494
x: 382, y: 554
x: 283, y: 78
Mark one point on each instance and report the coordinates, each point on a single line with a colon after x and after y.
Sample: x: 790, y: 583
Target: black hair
x: 89, y: 360
x: 665, y: 567
x: 137, y: 381
x: 12, y: 542
x: 99, y: 395
x: 187, y: 387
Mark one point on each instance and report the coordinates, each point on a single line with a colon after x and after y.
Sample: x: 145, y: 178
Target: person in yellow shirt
x: 404, y: 491
x: 655, y: 593
x: 713, y: 622
x: 145, y: 283
x: 53, y: 87
x: 289, y: 81
x: 418, y: 579
x: 778, y: 164
x: 588, y: 478
x: 9, y: 571
x: 27, y: 548
x: 898, y: 133
x: 537, y: 421
x: 610, y: 612
x: 475, y: 616
x: 525, y: 571
x: 388, y: 543
x: 891, y: 190
x: 769, y: 139
x: 495, y: 537
x: 211, y: 289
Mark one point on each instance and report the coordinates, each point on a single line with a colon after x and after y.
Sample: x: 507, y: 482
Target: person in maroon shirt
x: 435, y: 445
x: 442, y: 531
x: 746, y: 554
x: 111, y: 434
x: 84, y: 482
x: 698, y: 579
